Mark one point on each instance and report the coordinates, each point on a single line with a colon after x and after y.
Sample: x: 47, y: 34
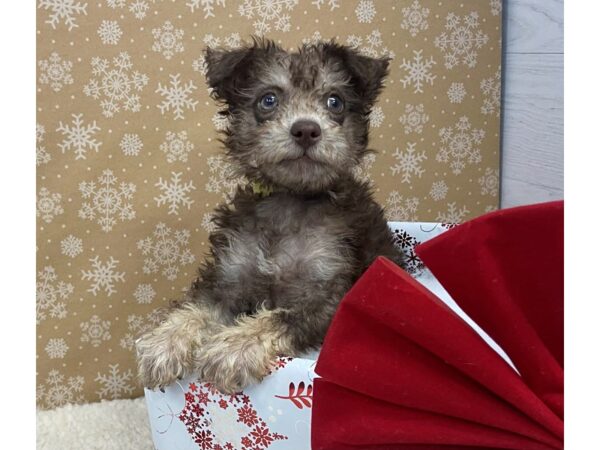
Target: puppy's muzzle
x: 306, y: 133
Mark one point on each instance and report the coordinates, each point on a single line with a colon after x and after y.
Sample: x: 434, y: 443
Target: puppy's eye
x: 268, y: 102
x: 335, y: 104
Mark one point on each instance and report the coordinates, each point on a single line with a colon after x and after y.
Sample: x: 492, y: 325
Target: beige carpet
x: 109, y: 425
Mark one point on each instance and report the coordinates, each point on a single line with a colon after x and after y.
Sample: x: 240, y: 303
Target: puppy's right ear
x: 222, y: 71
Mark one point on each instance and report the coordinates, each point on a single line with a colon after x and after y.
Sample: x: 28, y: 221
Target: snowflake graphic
x: 267, y: 13
x: 175, y: 193
x: 365, y: 11
x: 362, y: 172
x: 50, y: 295
x: 220, y: 120
x: 56, y: 348
x: 414, y: 118
x: 331, y: 3
x: 144, y: 294
x: 41, y: 155
x: 116, y: 384
x: 176, y: 97
x: 223, y: 178
x: 63, y: 10
x: 208, y: 6
x: 438, y: 190
x: 107, y: 201
x: 418, y: 71
x: 167, y: 250
x: 409, y: 163
x: 103, y: 276
x: 460, y: 145
x: 56, y: 392
x: 490, y: 182
x: 453, y: 215
x: 406, y: 244
x: 376, y: 117
x: 131, y: 144
x: 371, y: 45
x: 316, y: 38
x: 95, y: 331
x: 414, y: 18
x: 139, y: 8
x: 207, y: 223
x: 402, y: 209
x: 55, y: 72
x: 456, y: 92
x: 79, y: 137
x: 177, y: 146
x: 167, y: 40
x: 48, y: 205
x: 491, y: 89
x: 496, y: 7
x: 461, y: 41
x: 232, y: 41
x: 109, y: 32
x: 138, y: 325
x: 116, y: 85
x: 71, y: 246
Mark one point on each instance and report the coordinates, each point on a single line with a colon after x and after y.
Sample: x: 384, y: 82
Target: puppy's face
x: 297, y: 120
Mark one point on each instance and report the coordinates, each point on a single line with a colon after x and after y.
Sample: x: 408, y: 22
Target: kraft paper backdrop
x: 129, y: 169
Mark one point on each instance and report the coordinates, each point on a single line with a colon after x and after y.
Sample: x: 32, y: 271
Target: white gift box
x: 276, y: 413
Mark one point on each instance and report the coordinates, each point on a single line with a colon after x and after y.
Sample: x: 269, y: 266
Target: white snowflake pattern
x: 116, y: 384
x: 453, y: 215
x: 223, y: 180
x: 491, y: 89
x: 460, y: 145
x: 131, y: 144
x: 139, y: 8
x: 461, y: 41
x: 365, y: 11
x: 174, y: 193
x: 418, y: 71
x: 41, y: 154
x: 103, y: 276
x: 490, y: 182
x: 107, y: 201
x: 371, y: 45
x: 95, y: 331
x: 55, y: 72
x: 207, y: 223
x: 144, y: 294
x: 332, y: 4
x: 63, y: 10
x: 402, y: 209
x: 414, y: 18
x: 439, y: 190
x: 167, y: 40
x: 409, y: 163
x: 109, y: 32
x: 138, y: 325
x: 176, y: 97
x: 177, y: 146
x: 362, y: 172
x: 50, y: 295
x: 376, y: 117
x: 79, y: 137
x: 167, y: 250
x: 116, y: 85
x: 456, y: 92
x: 316, y: 38
x: 71, y: 246
x: 414, y: 118
x: 56, y: 348
x: 220, y: 121
x: 496, y: 7
x: 48, y: 205
x: 208, y: 6
x: 56, y: 392
x: 268, y: 13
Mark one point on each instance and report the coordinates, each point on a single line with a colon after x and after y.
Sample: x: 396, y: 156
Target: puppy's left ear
x: 223, y: 75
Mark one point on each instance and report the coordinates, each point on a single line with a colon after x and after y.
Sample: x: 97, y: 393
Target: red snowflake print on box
x: 224, y: 422
x: 298, y: 396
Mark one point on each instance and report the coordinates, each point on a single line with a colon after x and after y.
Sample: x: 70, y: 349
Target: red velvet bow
x: 401, y: 370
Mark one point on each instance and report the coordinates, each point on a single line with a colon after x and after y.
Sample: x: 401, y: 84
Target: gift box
x: 276, y: 414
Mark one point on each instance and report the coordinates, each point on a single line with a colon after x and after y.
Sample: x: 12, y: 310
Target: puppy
x: 292, y: 243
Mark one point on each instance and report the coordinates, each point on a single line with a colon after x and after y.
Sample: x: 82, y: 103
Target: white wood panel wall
x: 532, y: 149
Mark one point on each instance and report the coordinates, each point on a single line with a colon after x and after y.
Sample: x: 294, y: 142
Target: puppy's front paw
x: 163, y: 357
x: 232, y: 361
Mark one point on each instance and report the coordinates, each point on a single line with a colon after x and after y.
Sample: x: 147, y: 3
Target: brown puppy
x: 281, y: 260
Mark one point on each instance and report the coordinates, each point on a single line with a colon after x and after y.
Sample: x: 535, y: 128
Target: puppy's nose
x: 306, y: 133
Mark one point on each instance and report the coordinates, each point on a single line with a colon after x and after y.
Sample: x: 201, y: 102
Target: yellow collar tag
x: 261, y: 190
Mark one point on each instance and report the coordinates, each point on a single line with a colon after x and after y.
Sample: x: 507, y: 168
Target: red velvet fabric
x: 401, y: 370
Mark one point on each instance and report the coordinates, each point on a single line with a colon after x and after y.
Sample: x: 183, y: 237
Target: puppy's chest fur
x: 281, y: 249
